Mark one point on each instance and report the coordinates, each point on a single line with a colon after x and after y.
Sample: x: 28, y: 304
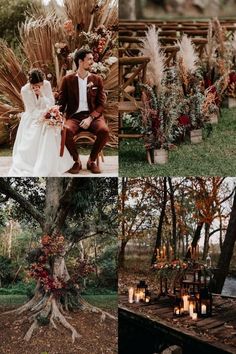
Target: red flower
x: 184, y: 119
x: 217, y: 97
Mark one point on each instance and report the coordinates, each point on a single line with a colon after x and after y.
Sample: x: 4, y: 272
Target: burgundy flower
x: 232, y: 77
x: 184, y: 119
x: 207, y: 82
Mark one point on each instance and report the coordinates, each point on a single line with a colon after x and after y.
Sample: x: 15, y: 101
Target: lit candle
x: 194, y: 316
x: 164, y: 251
x: 176, y: 311
x: 190, y: 310
x: 131, y: 295
x: 136, y: 297
x: 141, y: 295
x: 147, y: 299
x: 186, y: 303
x: 203, y: 309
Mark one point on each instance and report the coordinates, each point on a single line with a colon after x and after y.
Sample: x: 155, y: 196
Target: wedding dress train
x: 37, y: 145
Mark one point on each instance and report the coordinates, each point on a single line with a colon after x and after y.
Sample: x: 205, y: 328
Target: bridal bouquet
x: 53, y: 117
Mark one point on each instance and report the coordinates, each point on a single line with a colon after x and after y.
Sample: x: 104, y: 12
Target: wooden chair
x: 89, y: 138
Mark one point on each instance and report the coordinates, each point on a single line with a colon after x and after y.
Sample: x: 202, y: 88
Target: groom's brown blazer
x: 69, y: 95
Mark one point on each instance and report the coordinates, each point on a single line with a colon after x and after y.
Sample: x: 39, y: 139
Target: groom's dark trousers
x: 98, y: 127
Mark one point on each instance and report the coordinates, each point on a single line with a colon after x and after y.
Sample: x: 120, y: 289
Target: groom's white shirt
x: 83, y: 101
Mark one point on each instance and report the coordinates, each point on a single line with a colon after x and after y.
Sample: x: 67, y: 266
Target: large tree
x: 226, y: 252
x: 58, y: 207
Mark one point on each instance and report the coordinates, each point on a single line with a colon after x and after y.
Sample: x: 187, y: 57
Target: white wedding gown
x: 36, y: 151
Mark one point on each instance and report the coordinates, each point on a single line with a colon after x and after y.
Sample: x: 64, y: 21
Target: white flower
x: 58, y: 50
x: 111, y: 60
x: 68, y: 72
x: 90, y: 84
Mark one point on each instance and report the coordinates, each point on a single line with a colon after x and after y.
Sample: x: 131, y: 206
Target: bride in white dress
x: 36, y: 151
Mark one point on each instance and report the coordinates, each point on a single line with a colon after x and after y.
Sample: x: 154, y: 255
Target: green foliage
x: 5, y: 270
x: 19, y: 288
x: 12, y: 13
x: 108, y: 265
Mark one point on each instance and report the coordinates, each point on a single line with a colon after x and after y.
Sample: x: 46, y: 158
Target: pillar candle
x: 136, y: 297
x: 190, y: 310
x: 194, y: 316
x: 131, y: 295
x: 186, y: 303
x: 203, y: 309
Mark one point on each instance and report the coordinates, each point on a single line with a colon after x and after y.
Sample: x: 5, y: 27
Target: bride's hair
x: 36, y: 76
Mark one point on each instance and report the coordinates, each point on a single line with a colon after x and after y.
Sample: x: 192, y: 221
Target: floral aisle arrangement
x: 218, y: 63
x: 180, y: 99
x: 49, y: 42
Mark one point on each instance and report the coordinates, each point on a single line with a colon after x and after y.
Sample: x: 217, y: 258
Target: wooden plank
x: 130, y: 136
x: 133, y: 60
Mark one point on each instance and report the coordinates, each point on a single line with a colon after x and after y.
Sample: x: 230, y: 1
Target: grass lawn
x: 216, y: 155
x: 12, y: 300
x: 102, y: 301
x: 108, y: 151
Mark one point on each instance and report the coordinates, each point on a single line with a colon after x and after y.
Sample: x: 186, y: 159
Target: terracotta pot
x: 213, y: 119
x: 196, y: 136
x: 160, y: 156
x: 229, y: 102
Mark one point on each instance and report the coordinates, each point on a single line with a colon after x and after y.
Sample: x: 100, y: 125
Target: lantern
x: 178, y: 307
x: 142, y: 288
x: 193, y: 304
x: 147, y: 296
x: 205, y: 303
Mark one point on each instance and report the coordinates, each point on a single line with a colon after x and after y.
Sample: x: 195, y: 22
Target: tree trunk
x: 9, y: 245
x: 121, y: 257
x: 173, y: 212
x: 227, y: 251
x: 206, y: 241
x: 196, y: 238
x: 161, y: 220
x: 50, y: 297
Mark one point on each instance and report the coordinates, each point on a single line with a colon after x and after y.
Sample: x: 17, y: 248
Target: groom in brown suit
x: 82, y: 98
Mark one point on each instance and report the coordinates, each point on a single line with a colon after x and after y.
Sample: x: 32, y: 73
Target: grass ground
x: 102, y: 301
x: 216, y: 155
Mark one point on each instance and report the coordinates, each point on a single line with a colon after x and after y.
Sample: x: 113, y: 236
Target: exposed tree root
x: 30, y: 331
x: 36, y: 299
x: 56, y: 314
x: 89, y: 307
x: 49, y: 309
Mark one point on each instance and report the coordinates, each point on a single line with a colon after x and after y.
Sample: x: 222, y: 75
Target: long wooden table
x: 212, y: 335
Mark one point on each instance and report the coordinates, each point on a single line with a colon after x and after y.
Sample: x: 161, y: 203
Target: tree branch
x: 9, y: 192
x: 65, y: 204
